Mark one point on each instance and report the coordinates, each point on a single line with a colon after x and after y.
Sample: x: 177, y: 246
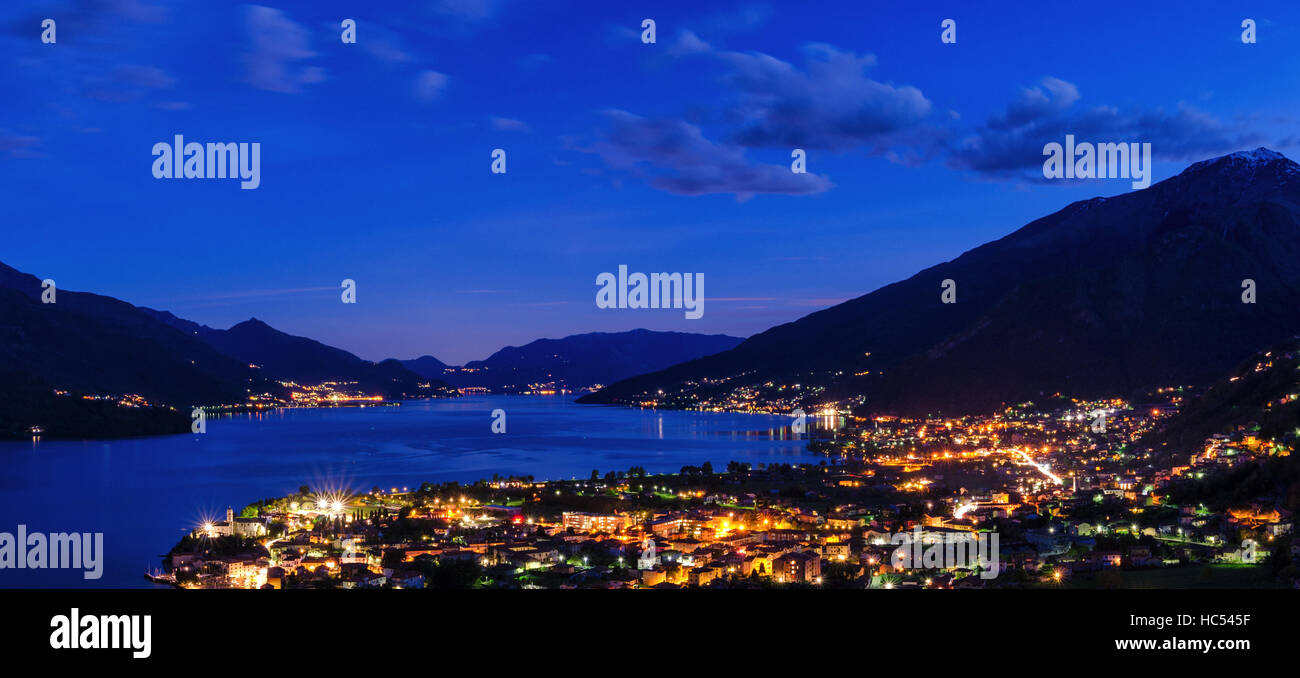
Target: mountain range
x: 307, y: 361
x: 94, y: 345
x: 1108, y: 296
x: 580, y: 360
x: 426, y: 366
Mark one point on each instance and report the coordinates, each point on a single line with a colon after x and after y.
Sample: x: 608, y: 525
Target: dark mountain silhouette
x: 93, y: 344
x: 1259, y: 395
x: 99, y: 345
x: 1108, y: 296
x: 582, y: 360
x: 307, y: 361
x: 1258, y: 398
x: 426, y: 366
x: 29, y: 405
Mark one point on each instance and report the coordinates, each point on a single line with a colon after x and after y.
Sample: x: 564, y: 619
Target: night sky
x: 672, y: 157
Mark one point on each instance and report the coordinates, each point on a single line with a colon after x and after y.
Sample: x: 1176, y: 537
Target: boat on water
x: 161, y: 578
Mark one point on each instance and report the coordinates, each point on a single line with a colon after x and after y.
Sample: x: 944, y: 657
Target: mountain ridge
x: 1228, y: 218
x: 92, y: 343
x: 581, y: 360
x: 304, y: 360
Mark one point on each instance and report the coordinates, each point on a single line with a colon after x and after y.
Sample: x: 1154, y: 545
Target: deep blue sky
x: 664, y: 157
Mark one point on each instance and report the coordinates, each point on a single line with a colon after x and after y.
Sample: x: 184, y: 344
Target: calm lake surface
x: 145, y: 493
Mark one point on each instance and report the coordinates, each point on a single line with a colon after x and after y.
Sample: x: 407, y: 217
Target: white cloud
x: 429, y: 85
x: 276, y: 43
x: 508, y: 124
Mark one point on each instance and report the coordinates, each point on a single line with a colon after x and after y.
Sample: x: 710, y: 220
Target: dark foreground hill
x: 1260, y: 399
x: 29, y: 405
x: 100, y: 345
x: 97, y: 345
x: 1260, y: 396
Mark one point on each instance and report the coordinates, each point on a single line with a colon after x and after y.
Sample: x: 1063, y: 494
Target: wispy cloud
x: 262, y: 293
x: 508, y: 124
x: 102, y: 43
x: 468, y: 11
x: 428, y: 85
x: 383, y: 44
x: 276, y: 45
x: 739, y: 19
x: 676, y: 157
x: 125, y: 82
x: 18, y: 145
x: 688, y: 43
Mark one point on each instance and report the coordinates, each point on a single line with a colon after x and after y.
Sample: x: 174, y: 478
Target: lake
x: 145, y: 493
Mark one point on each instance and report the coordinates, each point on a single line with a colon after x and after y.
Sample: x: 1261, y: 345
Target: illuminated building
x: 594, y: 522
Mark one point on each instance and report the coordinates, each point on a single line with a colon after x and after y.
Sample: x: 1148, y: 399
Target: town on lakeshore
x: 1069, y: 493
